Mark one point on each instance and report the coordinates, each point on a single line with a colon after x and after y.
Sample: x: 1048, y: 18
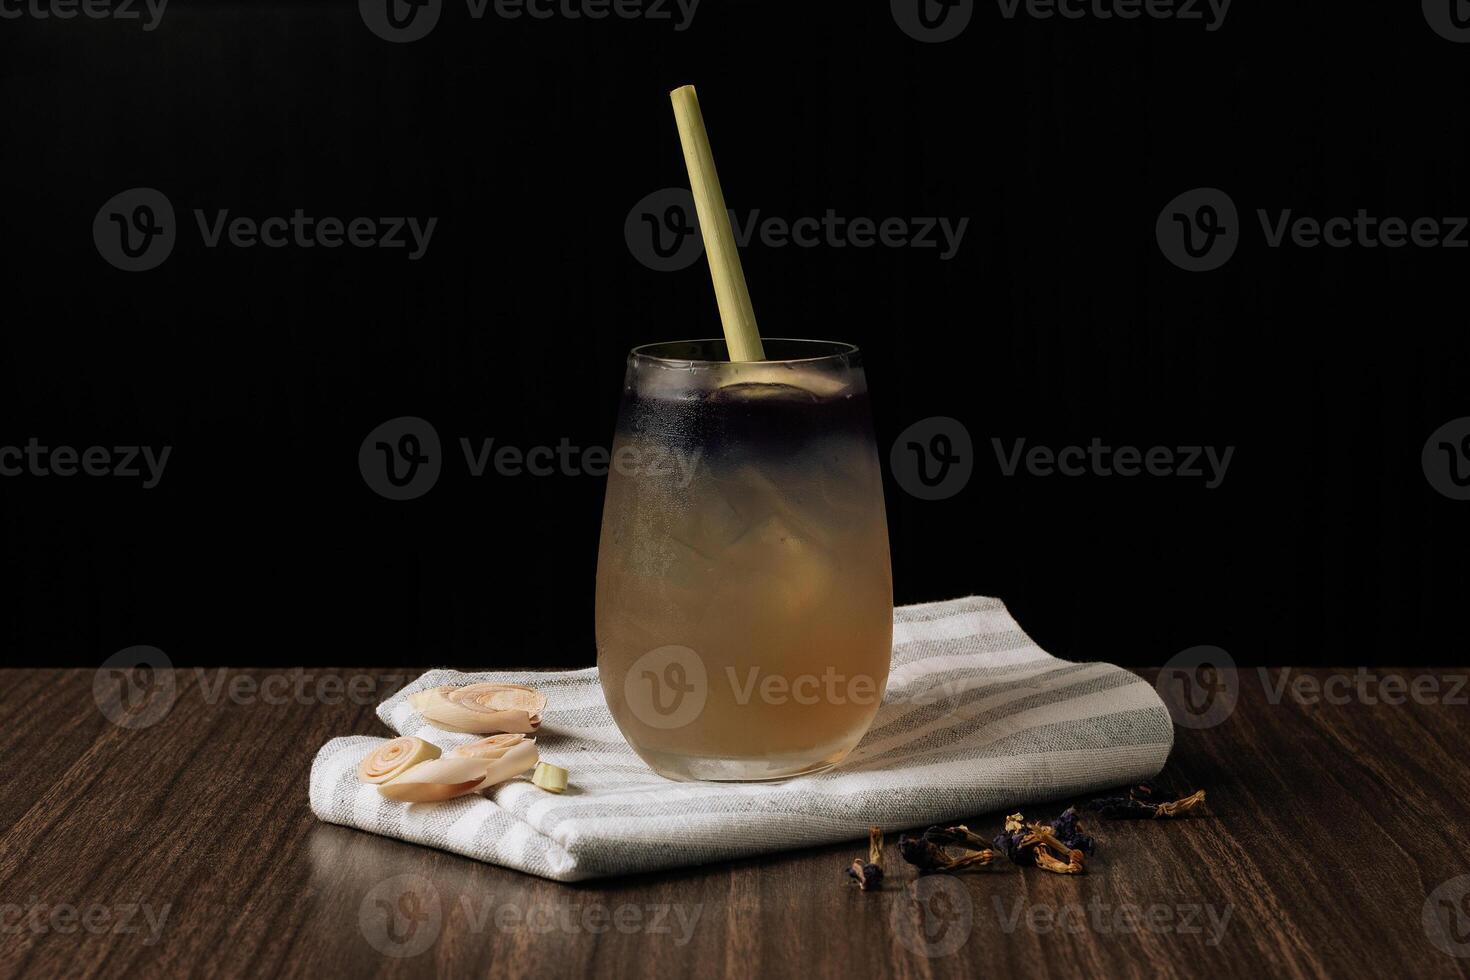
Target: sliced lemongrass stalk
x: 482, y: 709
x: 490, y: 748
x: 393, y: 758
x: 435, y: 780
x: 731, y: 294
x: 551, y: 778
x: 504, y: 755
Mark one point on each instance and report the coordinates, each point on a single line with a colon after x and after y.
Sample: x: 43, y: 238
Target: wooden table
x: 187, y: 847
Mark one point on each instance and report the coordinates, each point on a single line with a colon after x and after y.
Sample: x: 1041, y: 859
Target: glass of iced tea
x: 744, y: 596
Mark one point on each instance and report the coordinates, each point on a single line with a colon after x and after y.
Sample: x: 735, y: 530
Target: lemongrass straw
x: 736, y: 313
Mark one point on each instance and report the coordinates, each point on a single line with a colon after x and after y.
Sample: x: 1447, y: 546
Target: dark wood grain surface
x: 1333, y: 845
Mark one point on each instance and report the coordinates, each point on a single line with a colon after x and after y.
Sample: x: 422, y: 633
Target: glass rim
x: 832, y: 350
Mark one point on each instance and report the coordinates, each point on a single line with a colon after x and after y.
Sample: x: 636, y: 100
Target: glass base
x: 687, y: 769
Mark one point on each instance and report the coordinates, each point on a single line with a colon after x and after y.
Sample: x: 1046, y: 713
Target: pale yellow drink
x: 744, y: 598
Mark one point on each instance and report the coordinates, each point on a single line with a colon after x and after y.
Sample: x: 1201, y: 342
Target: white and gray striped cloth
x: 976, y: 718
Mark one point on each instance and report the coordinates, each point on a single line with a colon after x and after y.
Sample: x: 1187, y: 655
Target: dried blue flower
x: 1069, y: 832
x: 927, y: 852
x: 1128, y: 808
x: 869, y: 873
x: 1032, y: 845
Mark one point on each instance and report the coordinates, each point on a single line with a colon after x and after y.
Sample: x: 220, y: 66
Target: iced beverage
x: 744, y: 597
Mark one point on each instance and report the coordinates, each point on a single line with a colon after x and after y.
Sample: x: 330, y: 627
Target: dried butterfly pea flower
x: 927, y: 852
x: 1127, y: 808
x: 1032, y: 845
x: 1069, y: 831
x: 869, y: 873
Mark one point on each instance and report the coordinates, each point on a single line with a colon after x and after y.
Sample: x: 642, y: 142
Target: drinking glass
x: 744, y: 594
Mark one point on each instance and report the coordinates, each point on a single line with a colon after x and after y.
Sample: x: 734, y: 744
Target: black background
x: 1059, y: 319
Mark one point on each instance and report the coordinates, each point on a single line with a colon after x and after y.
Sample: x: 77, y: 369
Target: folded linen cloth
x: 975, y: 718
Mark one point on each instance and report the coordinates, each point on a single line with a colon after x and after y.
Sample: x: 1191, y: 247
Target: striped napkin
x: 976, y: 718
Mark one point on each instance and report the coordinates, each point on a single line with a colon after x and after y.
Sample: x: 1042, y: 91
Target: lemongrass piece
x: 491, y: 748
x: 435, y: 780
x: 742, y: 338
x: 551, y: 778
x: 482, y: 709
x: 506, y: 756
x: 394, y: 758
